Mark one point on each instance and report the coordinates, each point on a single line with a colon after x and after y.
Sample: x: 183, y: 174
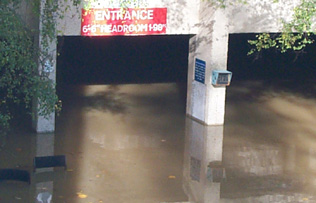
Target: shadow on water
x: 16, y: 152
x: 269, y: 131
x: 68, y: 142
x: 258, y: 90
x: 285, y: 79
x: 269, y: 141
x: 124, y: 137
x: 106, y: 99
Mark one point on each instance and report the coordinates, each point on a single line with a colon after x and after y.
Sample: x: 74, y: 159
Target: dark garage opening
x: 122, y: 60
x: 299, y: 66
x: 107, y: 92
x: 291, y: 72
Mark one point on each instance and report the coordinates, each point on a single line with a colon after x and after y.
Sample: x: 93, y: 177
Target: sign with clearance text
x: 118, y: 21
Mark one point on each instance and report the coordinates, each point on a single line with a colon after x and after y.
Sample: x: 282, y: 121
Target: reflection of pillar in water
x: 214, y: 143
x: 312, y: 158
x: 44, y: 147
x: 213, y: 152
x: 203, y: 145
x: 44, y: 197
x: 312, y: 165
x: 290, y: 158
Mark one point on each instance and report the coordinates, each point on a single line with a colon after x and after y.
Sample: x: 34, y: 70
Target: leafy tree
x: 295, y: 35
x: 20, y: 80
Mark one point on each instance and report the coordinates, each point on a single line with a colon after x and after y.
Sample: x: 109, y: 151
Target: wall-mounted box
x: 221, y: 78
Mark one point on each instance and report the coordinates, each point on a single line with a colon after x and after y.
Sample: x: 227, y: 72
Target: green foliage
x: 17, y: 66
x: 20, y: 80
x: 296, y: 34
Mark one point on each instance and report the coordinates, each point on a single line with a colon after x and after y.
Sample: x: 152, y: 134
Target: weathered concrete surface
x: 259, y: 15
x: 211, y: 26
x: 47, y: 67
x: 26, y: 10
x: 182, y: 17
x: 205, y: 102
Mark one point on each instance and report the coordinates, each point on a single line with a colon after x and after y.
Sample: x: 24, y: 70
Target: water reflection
x: 124, y: 143
x: 268, y: 139
x: 135, y: 145
x: 268, y: 147
x: 203, y: 145
x: 44, y: 188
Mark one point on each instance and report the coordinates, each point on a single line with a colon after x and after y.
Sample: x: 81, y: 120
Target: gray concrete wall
x: 32, y: 21
x: 259, y: 15
x: 205, y: 102
x: 211, y: 27
x: 26, y: 11
x: 182, y: 16
x: 40, y: 123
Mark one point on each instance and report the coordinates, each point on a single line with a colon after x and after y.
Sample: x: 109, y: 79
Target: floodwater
x: 134, y: 144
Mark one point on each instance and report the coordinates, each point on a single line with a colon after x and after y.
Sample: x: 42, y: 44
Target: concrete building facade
x: 209, y: 26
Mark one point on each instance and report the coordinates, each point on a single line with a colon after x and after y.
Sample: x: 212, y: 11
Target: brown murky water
x: 134, y: 144
x: 269, y: 142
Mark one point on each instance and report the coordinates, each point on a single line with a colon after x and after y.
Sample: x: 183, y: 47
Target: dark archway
x: 122, y: 60
x: 269, y: 64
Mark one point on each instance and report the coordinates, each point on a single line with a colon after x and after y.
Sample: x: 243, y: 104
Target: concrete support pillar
x: 46, y: 66
x: 205, y: 102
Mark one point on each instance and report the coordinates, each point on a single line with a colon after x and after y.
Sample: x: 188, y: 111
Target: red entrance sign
x: 118, y: 21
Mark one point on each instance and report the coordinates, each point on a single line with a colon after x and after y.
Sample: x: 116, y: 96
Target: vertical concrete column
x: 206, y: 103
x: 47, y: 66
x: 191, y: 58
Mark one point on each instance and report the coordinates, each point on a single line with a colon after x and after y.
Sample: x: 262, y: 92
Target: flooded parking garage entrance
x: 133, y: 143
x: 128, y: 103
